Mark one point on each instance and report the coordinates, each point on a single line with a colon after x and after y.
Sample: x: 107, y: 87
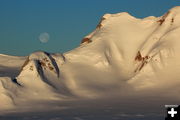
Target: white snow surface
x: 127, y: 56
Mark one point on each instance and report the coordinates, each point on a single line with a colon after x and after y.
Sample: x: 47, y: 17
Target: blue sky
x: 66, y: 21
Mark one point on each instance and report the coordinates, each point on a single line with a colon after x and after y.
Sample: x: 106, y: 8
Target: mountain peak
x: 123, y: 53
x: 40, y: 62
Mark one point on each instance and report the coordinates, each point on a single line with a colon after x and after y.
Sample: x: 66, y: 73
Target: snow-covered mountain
x: 123, y: 56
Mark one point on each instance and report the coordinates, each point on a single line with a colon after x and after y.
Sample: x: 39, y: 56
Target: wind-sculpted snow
x: 124, y: 56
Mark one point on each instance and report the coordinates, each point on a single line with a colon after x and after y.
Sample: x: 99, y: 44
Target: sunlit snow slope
x: 123, y: 56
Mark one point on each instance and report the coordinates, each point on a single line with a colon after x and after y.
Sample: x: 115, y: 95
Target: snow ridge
x: 123, y: 53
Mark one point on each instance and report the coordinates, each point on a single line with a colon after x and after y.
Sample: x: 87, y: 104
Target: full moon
x: 44, y: 37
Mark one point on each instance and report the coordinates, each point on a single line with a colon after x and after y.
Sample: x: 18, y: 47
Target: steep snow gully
x: 123, y: 56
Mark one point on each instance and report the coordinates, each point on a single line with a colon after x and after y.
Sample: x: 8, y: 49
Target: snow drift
x: 123, y: 56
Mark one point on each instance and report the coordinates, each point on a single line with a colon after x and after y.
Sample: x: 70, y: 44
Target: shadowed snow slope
x: 124, y: 56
